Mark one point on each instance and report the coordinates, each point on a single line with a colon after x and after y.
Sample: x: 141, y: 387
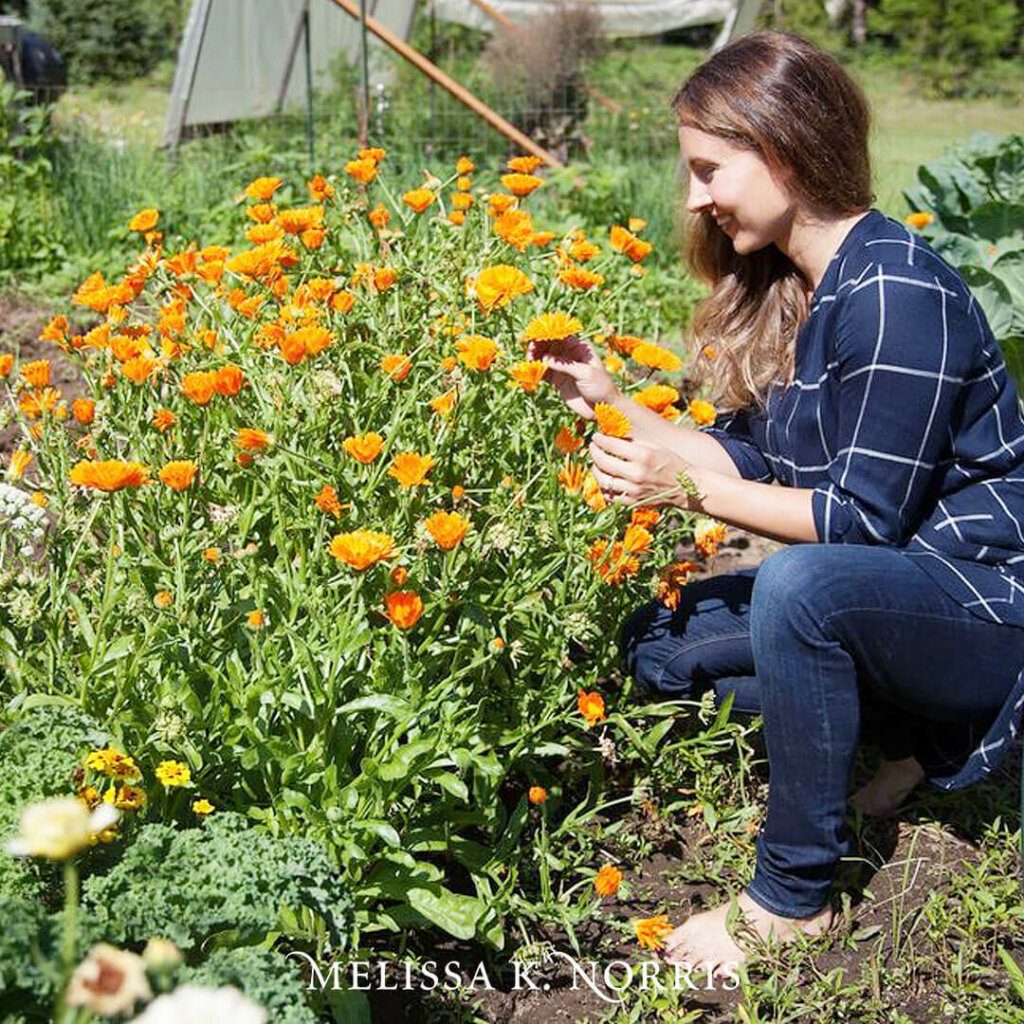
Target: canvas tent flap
x: 234, y: 57
x: 620, y: 17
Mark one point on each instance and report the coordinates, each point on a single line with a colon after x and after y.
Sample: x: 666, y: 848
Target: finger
x: 606, y: 482
x: 623, y: 468
x: 621, y: 446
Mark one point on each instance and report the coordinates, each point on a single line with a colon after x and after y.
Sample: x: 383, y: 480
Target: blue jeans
x: 810, y: 638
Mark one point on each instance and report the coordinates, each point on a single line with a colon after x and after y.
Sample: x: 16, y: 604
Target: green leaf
x: 994, y: 297
x: 996, y: 220
x: 1015, y: 973
x: 456, y: 914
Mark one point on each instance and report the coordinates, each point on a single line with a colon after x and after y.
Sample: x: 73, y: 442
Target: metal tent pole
x: 364, y: 126
x: 309, y: 90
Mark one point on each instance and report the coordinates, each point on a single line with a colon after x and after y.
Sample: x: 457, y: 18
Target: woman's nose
x: 697, y: 197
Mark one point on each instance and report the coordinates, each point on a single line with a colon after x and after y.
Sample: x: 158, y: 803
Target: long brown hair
x: 794, y: 105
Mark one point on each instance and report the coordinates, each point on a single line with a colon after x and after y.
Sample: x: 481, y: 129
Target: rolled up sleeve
x: 732, y: 432
x: 903, y: 343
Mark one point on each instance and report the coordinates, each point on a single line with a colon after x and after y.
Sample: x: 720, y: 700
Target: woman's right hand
x: 576, y: 371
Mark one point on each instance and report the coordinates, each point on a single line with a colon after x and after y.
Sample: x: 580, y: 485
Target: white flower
x: 161, y: 954
x: 59, y: 828
x: 198, y: 1005
x: 108, y: 981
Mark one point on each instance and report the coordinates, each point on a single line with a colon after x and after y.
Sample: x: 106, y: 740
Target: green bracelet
x: 688, y: 487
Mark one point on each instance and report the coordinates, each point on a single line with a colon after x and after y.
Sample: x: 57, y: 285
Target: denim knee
x: 648, y: 646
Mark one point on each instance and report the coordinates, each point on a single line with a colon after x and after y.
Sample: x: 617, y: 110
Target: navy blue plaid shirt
x: 903, y: 420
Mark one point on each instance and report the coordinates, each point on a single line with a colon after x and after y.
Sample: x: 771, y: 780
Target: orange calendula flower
x: 567, y: 442
x: 702, y: 413
x: 56, y: 330
x: 607, y: 880
x: 6, y: 364
x: 537, y: 795
x: 163, y: 599
x: 580, y: 278
x: 497, y: 286
x: 20, y: 460
x: 327, y: 501
x: 199, y: 386
x: 396, y: 366
x: 144, y: 220
x: 521, y: 184
x: 523, y: 164
x: 551, y: 327
x: 614, y: 364
x: 84, y: 410
x: 476, y: 352
x: 365, y: 447
x: 399, y: 576
x: 611, y: 421
x: 919, y: 219
x: 464, y: 165
x: 374, y: 153
x: 179, y: 475
x: 516, y: 228
x: 362, y: 548
x: 404, y: 608
x: 527, y: 375
x: 37, y: 373
x: 418, y: 199
x: 627, y: 243
x: 647, y: 353
x: 211, y: 555
x: 262, y: 188
x: 342, y: 301
x: 110, y: 475
x: 657, y: 397
x: 645, y: 516
x: 229, y: 380
x: 300, y: 219
x: 449, y: 363
x: 590, y: 706
x: 499, y: 203
x: 614, y: 565
x: 671, y: 582
x: 261, y: 213
x: 410, y: 469
x: 379, y: 216
x: 319, y: 188
x: 163, y: 420
x: 140, y: 369
x: 255, y: 619
x: 447, y: 528
x: 34, y: 404
x: 572, y: 476
x: 707, y: 536
x: 444, y: 404
x: 252, y: 439
x: 637, y: 539
x: 461, y: 201
x: 651, y: 932
x: 363, y: 171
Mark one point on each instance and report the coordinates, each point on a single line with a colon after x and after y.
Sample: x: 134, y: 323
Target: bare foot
x: 704, y: 941
x: 893, y: 783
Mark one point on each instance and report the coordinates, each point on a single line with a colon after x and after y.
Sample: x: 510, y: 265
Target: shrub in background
x: 109, y: 39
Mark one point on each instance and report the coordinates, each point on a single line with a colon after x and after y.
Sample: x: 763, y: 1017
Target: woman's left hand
x: 637, y: 473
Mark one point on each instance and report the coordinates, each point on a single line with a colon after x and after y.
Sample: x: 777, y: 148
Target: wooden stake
x: 463, y: 95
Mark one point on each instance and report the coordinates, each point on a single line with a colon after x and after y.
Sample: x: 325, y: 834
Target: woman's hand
x: 636, y: 473
x: 576, y: 370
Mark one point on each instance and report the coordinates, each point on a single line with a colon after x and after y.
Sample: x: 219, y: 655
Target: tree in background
x: 109, y: 39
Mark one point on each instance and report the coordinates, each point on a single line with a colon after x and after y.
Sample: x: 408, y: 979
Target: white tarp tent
x: 246, y: 58
x: 621, y: 17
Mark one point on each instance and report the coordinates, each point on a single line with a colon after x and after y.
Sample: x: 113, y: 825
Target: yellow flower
x: 702, y: 413
x: 252, y: 439
x: 707, y: 536
x: 173, y: 774
x: 444, y: 404
x: 651, y: 931
x: 20, y: 460
x: 418, y: 199
x: 497, y: 286
x: 113, y: 763
x: 919, y: 219
x: 262, y: 188
x: 179, y: 475
x: 537, y: 795
x: 364, y: 448
x: 362, y: 548
x: 163, y: 599
x: 580, y: 278
x: 647, y: 353
x: 255, y: 619
x: 110, y: 475
x: 521, y: 184
x: 364, y: 171
x: 527, y: 375
x: 608, y: 880
x: 125, y: 798
x: 410, y: 469
x: 611, y: 421
x: 202, y: 807
x: 476, y: 352
x: 523, y: 164
x: 144, y: 220
x: 657, y: 397
x: 551, y: 327
x: 447, y: 528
